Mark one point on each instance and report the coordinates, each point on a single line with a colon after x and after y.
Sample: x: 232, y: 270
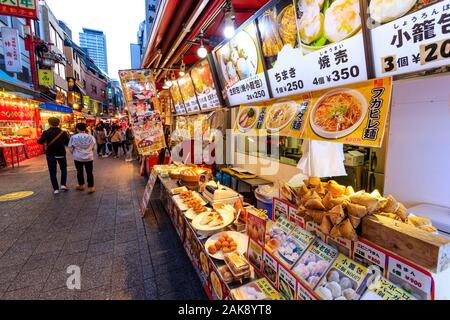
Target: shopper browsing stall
x: 82, y: 147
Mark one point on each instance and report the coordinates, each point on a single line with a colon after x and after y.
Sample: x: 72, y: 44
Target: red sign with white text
x: 19, y: 8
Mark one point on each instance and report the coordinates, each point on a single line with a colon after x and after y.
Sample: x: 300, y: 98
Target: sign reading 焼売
x: 352, y: 114
x: 10, y: 38
x: 240, y: 66
x: 19, y: 8
x: 311, y: 45
x: 46, y: 78
x: 403, y: 43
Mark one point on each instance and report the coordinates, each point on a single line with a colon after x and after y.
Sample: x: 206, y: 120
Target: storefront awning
x: 16, y: 87
x: 55, y: 107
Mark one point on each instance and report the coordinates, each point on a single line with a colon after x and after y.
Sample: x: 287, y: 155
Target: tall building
x: 94, y: 42
x: 135, y: 50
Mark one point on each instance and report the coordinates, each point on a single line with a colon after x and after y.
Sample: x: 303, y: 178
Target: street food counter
x: 321, y: 246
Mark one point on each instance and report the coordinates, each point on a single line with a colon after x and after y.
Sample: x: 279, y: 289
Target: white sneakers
x: 56, y: 192
x: 64, y: 188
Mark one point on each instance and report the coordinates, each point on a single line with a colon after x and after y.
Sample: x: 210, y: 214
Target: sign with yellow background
x: 285, y: 117
x: 46, y: 78
x: 352, y: 114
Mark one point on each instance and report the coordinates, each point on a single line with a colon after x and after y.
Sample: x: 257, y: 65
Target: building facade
x: 116, y: 99
x: 94, y: 41
x: 151, y: 8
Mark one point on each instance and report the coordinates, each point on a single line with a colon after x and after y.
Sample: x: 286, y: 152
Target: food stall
x: 321, y: 111
x: 63, y: 113
x: 19, y: 129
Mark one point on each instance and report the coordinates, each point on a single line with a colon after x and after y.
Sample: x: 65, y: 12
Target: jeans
x: 101, y: 149
x: 116, y: 146
x: 52, y: 162
x: 125, y: 147
x: 89, y: 166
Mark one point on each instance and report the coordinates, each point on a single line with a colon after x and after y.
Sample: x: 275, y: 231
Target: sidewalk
x: 121, y: 255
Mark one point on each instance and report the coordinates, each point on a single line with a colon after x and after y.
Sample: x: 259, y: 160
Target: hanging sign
x: 46, y: 78
x: 19, y: 8
x: 409, y: 37
x: 240, y: 66
x: 176, y: 98
x: 10, y: 38
x: 311, y: 45
x: 188, y: 93
x: 204, y: 85
x: 352, y: 114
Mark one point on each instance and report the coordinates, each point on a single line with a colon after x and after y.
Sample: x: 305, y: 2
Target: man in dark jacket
x: 56, y: 141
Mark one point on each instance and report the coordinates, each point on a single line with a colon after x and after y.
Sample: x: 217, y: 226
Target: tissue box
x: 354, y: 158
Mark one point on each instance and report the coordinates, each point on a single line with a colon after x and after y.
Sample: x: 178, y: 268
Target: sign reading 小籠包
x: 413, y: 36
x: 12, y: 52
x: 19, y: 8
x: 240, y: 67
x: 311, y: 45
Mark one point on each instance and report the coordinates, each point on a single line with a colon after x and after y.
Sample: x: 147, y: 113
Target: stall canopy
x: 16, y: 86
x: 178, y: 25
x: 55, y: 107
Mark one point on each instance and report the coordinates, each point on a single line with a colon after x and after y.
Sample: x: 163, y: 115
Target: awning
x: 16, y: 87
x: 55, y: 107
x: 82, y: 91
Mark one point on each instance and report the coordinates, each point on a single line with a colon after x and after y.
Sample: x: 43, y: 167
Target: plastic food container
x: 237, y: 264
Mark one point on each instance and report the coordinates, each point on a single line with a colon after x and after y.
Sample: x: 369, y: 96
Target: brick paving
x: 121, y: 255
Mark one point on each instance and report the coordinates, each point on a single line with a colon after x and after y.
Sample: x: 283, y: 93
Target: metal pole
x: 30, y: 40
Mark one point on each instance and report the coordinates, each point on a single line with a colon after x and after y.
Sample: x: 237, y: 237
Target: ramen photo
x: 338, y: 113
x: 280, y: 115
x: 247, y: 118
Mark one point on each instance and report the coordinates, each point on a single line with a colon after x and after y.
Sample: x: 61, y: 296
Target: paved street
x: 121, y: 256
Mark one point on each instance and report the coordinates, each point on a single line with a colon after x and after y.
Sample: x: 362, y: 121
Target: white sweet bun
x: 387, y: 10
x: 342, y: 20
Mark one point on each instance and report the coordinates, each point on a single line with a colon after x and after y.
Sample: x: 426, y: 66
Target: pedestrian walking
x: 82, y: 147
x: 130, y: 141
x: 124, y: 142
x: 100, y: 135
x: 55, y: 141
x: 116, y: 139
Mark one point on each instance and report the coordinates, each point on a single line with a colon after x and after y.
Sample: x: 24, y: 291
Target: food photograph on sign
x: 176, y: 98
x: 188, y: 93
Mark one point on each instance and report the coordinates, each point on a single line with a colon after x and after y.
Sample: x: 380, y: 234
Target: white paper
x: 322, y: 159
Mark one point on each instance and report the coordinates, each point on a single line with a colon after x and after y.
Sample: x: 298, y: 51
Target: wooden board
x: 423, y: 248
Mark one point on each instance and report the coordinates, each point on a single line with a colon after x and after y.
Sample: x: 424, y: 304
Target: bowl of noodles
x: 338, y: 113
x: 280, y: 115
x: 246, y: 118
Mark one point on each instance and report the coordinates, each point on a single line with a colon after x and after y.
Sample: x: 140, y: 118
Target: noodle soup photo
x: 280, y: 115
x: 338, y: 113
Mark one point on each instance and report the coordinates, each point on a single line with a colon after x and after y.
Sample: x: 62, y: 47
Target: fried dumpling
x: 339, y: 201
x: 349, y: 191
x: 306, y: 197
x: 335, y: 188
x: 335, y: 232
x: 317, y: 215
x: 327, y: 201
x: 364, y: 199
x: 303, y: 191
x: 401, y: 212
x: 320, y: 189
x: 336, y: 214
x: 314, y: 204
x: 355, y: 221
x: 326, y: 225
x: 391, y: 205
x: 356, y: 210
x: 419, y: 221
x: 346, y: 230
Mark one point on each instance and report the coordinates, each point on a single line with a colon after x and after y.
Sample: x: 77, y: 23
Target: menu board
x: 204, y: 85
x: 188, y: 93
x: 284, y: 117
x: 409, y: 35
x: 177, y: 99
x: 352, y: 114
x: 240, y: 67
x: 139, y: 90
x: 310, y: 45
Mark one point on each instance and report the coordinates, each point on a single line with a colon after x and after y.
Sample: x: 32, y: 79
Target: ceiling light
x: 182, y: 67
x: 202, y: 52
x: 229, y: 30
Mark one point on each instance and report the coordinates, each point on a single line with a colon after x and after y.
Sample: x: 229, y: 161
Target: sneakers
x: 91, y: 190
x: 80, y: 188
x: 105, y: 156
x: 56, y: 192
x: 64, y: 188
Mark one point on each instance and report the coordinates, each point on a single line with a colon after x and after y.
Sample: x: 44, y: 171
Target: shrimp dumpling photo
x: 342, y: 20
x: 387, y: 10
x: 311, y: 25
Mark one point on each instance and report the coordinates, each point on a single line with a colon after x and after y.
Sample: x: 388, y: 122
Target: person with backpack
x: 56, y: 141
x: 100, y: 135
x: 82, y: 146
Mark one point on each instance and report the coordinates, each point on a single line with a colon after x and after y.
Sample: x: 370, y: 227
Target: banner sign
x: 205, y: 88
x: 11, y: 45
x: 240, y: 66
x: 19, y: 8
x: 412, y: 37
x: 353, y: 114
x: 311, y: 45
x: 46, y: 78
x: 139, y: 90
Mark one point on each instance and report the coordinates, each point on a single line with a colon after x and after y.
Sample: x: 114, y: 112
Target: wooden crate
x: 421, y: 247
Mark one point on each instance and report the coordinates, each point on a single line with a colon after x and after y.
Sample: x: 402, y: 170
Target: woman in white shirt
x: 82, y: 147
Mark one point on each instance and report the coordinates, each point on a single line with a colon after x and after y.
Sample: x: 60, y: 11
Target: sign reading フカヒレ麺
x: 19, y: 8
x: 409, y: 37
